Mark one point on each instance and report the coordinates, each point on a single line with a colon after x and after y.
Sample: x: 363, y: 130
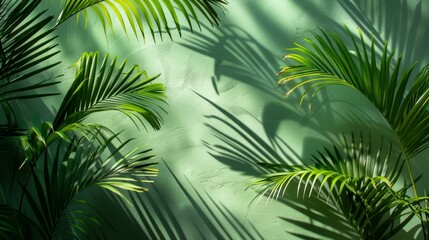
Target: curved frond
x: 53, y: 194
x: 328, y: 60
x: 308, y: 178
x: 25, y: 48
x: 37, y: 140
x: 360, y: 179
x: 105, y: 88
x: 335, y: 169
x: 141, y: 16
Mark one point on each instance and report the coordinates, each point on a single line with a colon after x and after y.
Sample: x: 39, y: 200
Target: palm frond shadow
x: 399, y: 22
x: 187, y: 214
x: 242, y: 148
x: 216, y: 217
x: 319, y: 213
x: 27, y: 53
x: 245, y: 148
x: 243, y: 155
x: 238, y: 56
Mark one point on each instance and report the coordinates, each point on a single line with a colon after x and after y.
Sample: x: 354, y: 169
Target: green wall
x: 225, y: 114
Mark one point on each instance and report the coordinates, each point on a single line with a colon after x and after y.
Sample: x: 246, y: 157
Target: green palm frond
x: 53, y: 195
x: 374, y: 211
x: 337, y: 169
x: 328, y: 60
x: 137, y: 15
x: 360, y: 179
x: 36, y: 140
x: 104, y: 88
x: 25, y: 48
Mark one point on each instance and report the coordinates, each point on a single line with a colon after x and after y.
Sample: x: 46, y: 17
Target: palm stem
x: 410, y: 172
x: 407, y: 161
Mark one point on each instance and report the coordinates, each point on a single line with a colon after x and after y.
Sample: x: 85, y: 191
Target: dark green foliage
x: 25, y: 48
x: 361, y: 182
x: 53, y: 165
x: 53, y: 194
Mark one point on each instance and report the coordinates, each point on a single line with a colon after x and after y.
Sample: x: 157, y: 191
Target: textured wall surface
x: 225, y: 114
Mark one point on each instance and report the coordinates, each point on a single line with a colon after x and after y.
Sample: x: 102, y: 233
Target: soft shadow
x: 242, y: 151
x: 399, y: 22
x: 320, y: 213
x: 242, y: 148
x: 246, y: 148
x: 183, y: 214
x: 238, y: 56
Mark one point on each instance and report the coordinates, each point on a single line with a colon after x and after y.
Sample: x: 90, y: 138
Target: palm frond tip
x: 155, y: 15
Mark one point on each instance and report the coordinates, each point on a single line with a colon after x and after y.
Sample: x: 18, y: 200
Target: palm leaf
x: 334, y: 168
x: 25, y: 48
x: 359, y: 179
x: 327, y: 60
x: 53, y: 195
x: 104, y: 88
x: 12, y: 223
x: 375, y: 212
x: 36, y: 140
x: 136, y: 15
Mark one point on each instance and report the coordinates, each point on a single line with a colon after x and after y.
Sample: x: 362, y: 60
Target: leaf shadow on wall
x: 185, y: 214
x: 401, y: 23
x: 281, y: 30
x: 243, y: 149
x: 240, y: 58
x: 237, y: 56
x: 319, y: 213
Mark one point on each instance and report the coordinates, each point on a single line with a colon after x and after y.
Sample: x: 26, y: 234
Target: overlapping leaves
x: 359, y: 179
x: 69, y: 169
x: 25, y: 50
x: 401, y: 97
x: 99, y: 87
x: 68, y: 155
x: 327, y: 60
